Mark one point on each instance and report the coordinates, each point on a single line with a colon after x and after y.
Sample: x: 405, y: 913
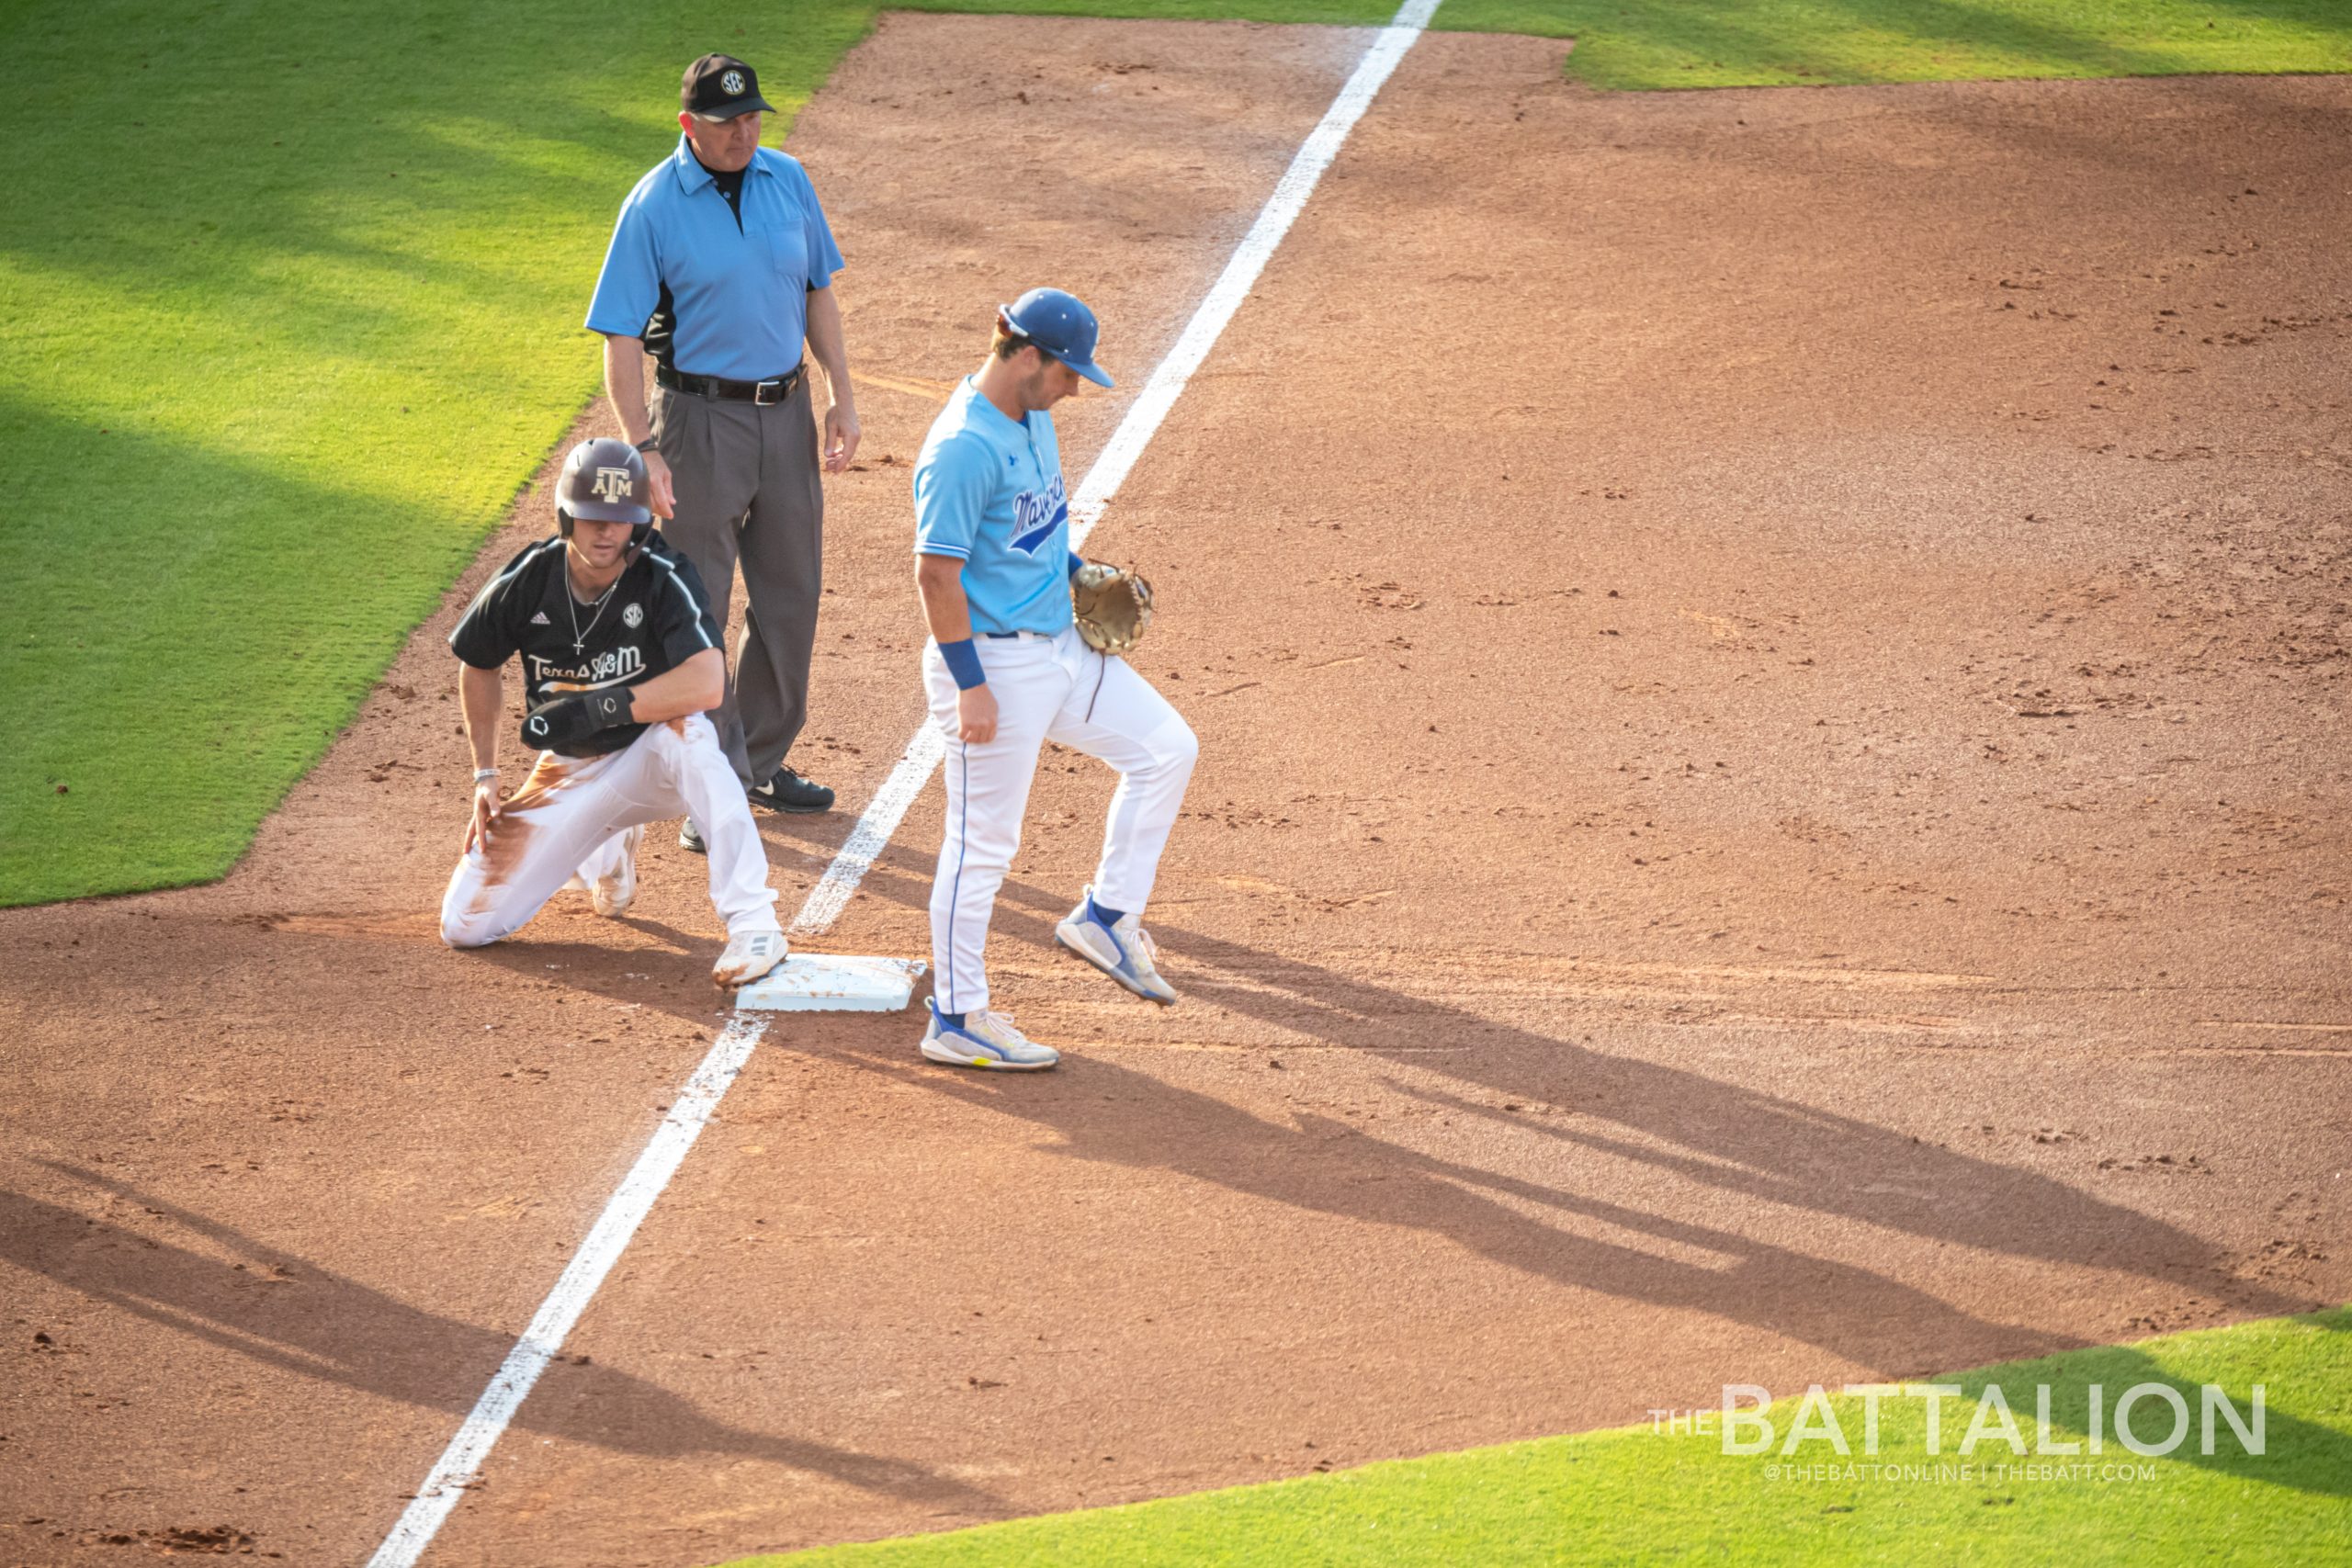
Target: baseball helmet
x: 1062, y: 325
x: 604, y: 480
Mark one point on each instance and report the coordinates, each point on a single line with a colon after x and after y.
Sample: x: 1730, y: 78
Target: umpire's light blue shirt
x: 989, y: 490
x: 741, y: 296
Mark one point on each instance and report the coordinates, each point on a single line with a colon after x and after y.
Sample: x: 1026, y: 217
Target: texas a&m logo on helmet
x: 604, y: 480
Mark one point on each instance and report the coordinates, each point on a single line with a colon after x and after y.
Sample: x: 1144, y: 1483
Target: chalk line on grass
x: 460, y: 1465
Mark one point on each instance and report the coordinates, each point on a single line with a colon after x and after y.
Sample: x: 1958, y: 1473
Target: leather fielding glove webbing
x: 1113, y: 606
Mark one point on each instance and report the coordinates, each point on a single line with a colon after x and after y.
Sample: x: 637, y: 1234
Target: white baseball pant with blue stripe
x: 569, y: 815
x: 1047, y: 688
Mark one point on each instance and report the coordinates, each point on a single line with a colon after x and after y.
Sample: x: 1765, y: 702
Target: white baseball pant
x: 1048, y: 688
x: 569, y: 817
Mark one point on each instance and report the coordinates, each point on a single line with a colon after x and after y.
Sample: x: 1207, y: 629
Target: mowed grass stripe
x: 1638, y: 1496
x: 289, y: 304
x: 291, y: 299
x: 1649, y: 44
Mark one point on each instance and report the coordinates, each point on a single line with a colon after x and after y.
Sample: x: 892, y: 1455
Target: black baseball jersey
x: 654, y: 617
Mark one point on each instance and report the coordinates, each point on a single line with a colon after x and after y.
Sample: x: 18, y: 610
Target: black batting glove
x: 577, y: 716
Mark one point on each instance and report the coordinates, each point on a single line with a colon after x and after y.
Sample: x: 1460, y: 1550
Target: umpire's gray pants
x: 748, y: 491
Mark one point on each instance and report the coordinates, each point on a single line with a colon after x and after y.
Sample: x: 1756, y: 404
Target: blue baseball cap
x: 1061, y: 324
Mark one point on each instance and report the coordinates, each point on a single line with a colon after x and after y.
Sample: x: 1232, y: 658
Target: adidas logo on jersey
x: 541, y: 619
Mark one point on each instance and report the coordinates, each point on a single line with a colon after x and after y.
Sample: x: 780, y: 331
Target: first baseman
x: 621, y: 665
x: 1006, y: 670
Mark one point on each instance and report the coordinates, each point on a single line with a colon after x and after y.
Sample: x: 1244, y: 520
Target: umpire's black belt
x: 775, y: 389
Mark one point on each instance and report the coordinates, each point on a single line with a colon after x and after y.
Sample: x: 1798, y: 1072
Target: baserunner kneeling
x: 622, y: 661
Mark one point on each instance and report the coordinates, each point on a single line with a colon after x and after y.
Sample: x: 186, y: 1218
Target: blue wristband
x: 1076, y: 562
x: 963, y: 663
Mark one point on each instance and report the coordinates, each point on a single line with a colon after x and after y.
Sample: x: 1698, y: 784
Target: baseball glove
x: 1113, y: 606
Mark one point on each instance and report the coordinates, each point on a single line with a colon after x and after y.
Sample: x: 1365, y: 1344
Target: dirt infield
x: 1771, y: 676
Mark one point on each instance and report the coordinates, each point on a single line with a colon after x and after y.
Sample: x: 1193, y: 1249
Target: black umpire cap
x: 721, y: 86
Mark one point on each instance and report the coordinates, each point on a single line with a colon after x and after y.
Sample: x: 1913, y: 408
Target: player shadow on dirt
x: 684, y: 944
x: 1763, y: 1146
x: 289, y: 1313
x: 1759, y: 1146
x: 1327, y: 1165
x: 683, y: 958
x: 1122, y: 1117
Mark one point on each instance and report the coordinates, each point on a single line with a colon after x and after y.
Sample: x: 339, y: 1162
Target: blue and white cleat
x: 1124, y: 950
x: 985, y: 1038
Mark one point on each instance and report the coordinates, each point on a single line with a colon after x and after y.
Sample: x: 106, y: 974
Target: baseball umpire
x: 621, y: 662
x: 721, y: 265
x: 1012, y: 664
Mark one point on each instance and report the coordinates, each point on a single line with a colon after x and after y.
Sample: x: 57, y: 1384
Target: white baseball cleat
x: 1124, y: 951
x: 749, y: 956
x: 611, y: 895
x: 985, y: 1038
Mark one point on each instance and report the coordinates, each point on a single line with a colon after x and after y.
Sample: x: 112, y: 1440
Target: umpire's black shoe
x: 689, y: 840
x: 789, y: 792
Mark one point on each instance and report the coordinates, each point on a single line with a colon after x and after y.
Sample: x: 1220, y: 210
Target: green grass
x: 289, y: 304
x: 290, y: 297
x: 1638, y: 44
x: 1724, y: 43
x: 1637, y: 1496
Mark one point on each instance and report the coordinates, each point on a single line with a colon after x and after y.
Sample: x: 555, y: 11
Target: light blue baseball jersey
x: 739, y: 291
x: 989, y: 490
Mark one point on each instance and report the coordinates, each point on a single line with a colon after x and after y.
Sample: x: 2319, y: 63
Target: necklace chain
x: 571, y: 603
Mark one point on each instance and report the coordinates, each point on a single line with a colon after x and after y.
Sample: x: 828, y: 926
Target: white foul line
x: 460, y: 1465
x: 1142, y: 421
x: 1232, y: 286
x: 462, y: 1462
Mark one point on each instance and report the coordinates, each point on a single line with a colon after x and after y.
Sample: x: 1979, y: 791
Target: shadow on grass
x: 1639, y: 44
x: 200, y: 628
x: 290, y: 319
x: 2295, y: 1453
